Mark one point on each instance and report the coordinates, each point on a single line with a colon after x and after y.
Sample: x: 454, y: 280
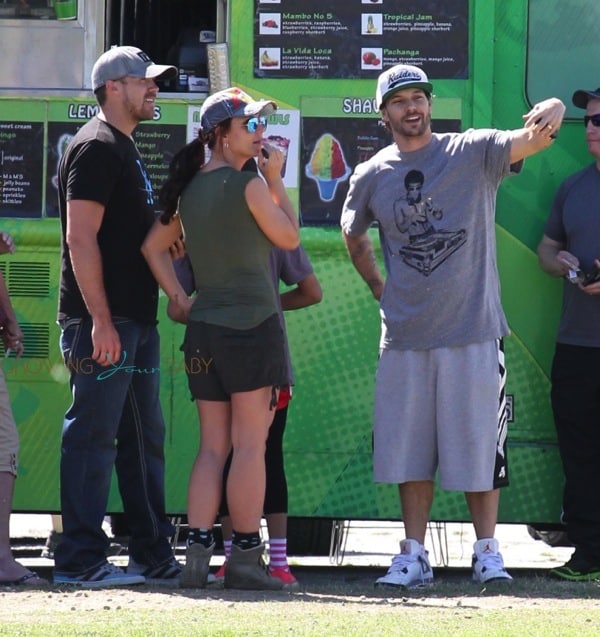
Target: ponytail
x: 184, y: 165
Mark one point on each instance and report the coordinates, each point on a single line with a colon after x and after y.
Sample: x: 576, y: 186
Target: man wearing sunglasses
x: 570, y: 248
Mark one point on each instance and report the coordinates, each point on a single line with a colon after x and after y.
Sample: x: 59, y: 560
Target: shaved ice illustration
x: 327, y: 166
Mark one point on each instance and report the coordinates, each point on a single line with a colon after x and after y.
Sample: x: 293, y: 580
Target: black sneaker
x: 577, y: 569
x: 165, y: 574
x: 103, y: 576
x: 52, y: 542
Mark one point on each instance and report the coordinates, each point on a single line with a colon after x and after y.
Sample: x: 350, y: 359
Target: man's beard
x: 409, y: 130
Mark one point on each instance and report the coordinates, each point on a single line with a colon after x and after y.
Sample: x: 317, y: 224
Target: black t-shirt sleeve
x: 93, y: 173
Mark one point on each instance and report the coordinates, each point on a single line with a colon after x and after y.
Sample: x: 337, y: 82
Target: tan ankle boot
x: 246, y: 569
x: 197, y: 564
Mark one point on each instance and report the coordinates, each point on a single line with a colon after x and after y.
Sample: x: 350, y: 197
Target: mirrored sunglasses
x: 254, y: 122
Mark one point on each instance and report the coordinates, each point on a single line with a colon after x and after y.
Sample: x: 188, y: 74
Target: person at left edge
x: 12, y: 573
x: 107, y: 313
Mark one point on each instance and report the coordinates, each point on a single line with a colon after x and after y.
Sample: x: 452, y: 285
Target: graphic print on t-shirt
x: 147, y: 183
x: 426, y: 247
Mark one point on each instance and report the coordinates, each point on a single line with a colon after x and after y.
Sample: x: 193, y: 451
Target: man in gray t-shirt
x: 439, y: 391
x: 570, y: 248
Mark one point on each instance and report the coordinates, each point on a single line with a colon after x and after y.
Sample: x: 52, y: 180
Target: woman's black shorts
x: 221, y: 361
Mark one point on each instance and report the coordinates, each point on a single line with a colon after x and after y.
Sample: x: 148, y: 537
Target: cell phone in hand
x: 264, y: 153
x: 593, y: 276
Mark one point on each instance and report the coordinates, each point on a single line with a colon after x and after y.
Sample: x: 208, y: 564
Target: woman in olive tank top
x: 233, y: 345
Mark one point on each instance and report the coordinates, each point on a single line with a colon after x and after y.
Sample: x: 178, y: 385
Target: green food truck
x: 489, y: 62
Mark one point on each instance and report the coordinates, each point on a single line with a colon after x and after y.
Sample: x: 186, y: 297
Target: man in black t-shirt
x: 107, y: 313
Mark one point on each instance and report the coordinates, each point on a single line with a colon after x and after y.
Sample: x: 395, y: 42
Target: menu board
x: 331, y: 148
x: 335, y: 138
x: 359, y: 38
x: 21, y: 168
x: 59, y: 136
x: 157, y: 143
x: 29, y: 166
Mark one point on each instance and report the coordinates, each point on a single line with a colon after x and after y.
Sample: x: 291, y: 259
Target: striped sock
x: 278, y: 552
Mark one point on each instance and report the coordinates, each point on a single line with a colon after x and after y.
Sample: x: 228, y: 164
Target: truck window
x: 172, y: 31
x: 73, y: 33
x: 561, y: 35
x: 35, y: 9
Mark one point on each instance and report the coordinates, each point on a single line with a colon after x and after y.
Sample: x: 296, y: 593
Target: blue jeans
x: 115, y: 420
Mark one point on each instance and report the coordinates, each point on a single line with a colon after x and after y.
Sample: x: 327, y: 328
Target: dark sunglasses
x: 254, y: 122
x: 595, y: 119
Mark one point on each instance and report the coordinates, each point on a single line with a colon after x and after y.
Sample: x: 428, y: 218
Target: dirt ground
x: 344, y: 578
x: 335, y: 585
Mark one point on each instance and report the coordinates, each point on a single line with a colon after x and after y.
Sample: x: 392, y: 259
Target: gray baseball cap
x: 128, y: 60
x: 231, y: 102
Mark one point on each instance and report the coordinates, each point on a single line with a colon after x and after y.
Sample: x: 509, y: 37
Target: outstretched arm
x: 540, y: 130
